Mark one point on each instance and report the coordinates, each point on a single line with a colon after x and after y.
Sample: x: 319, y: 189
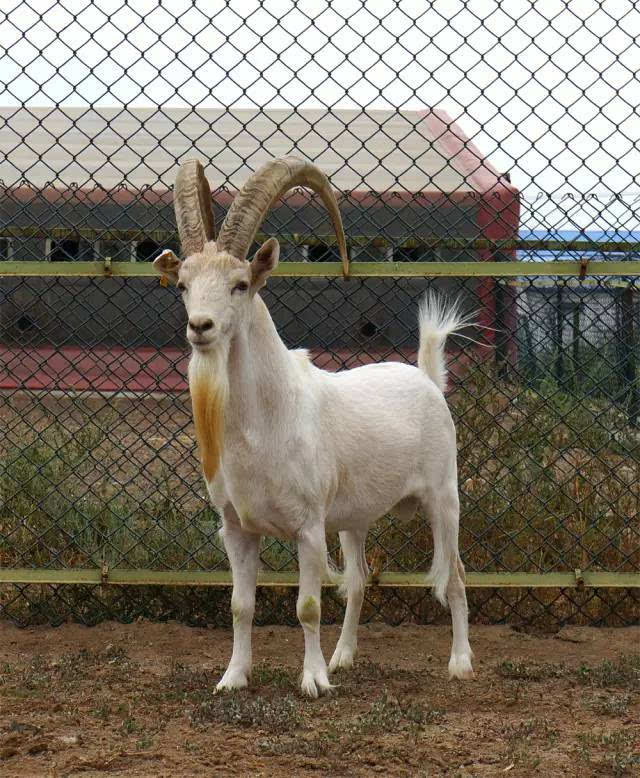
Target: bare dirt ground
x: 137, y: 700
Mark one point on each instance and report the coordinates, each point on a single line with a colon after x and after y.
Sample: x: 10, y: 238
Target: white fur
x: 308, y: 451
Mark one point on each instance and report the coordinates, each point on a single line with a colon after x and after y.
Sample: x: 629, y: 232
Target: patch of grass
x: 531, y: 671
x: 387, y: 714
x: 184, y: 684
x: 264, y: 674
x: 315, y: 745
x: 280, y: 714
x: 521, y: 736
x: 336, y: 736
x: 622, y: 672
x: 195, y: 690
x: 611, y: 705
x: 40, y: 673
x: 365, y: 672
x: 617, y: 751
x: 35, y: 674
x: 67, y: 503
x: 530, y: 729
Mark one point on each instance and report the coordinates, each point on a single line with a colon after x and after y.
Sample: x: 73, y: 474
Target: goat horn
x: 263, y: 188
x: 192, y: 204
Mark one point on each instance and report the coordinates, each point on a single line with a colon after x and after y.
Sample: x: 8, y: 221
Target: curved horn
x: 263, y: 188
x: 192, y: 205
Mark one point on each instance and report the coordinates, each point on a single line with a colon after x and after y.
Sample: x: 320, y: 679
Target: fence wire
x: 450, y: 137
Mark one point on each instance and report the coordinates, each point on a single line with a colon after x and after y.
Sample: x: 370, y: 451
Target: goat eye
x: 240, y: 287
x: 181, y: 287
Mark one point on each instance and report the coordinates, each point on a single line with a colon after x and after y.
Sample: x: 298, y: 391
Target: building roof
x: 379, y: 151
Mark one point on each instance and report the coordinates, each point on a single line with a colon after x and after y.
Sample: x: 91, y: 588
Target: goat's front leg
x: 243, y: 550
x: 312, y: 561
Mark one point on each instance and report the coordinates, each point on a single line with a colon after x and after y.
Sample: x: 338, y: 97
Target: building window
x: 118, y: 250
x: 147, y: 250
x: 68, y: 250
x: 418, y: 254
x: 6, y: 249
x: 323, y: 253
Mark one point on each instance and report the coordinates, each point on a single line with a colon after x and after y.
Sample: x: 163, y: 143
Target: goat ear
x: 264, y: 261
x: 167, y: 264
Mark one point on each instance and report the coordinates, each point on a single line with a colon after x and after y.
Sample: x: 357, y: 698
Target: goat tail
x: 335, y: 577
x: 440, y: 571
x: 438, y: 318
x: 444, y: 515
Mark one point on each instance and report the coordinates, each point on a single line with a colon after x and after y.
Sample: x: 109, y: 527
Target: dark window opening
x: 118, y: 250
x: 418, y: 254
x: 68, y: 250
x: 368, y: 329
x: 323, y: 253
x: 24, y: 323
x: 147, y: 250
x: 4, y: 248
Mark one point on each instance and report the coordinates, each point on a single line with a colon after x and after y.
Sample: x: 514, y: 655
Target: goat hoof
x: 342, y: 658
x: 315, y: 684
x: 460, y: 667
x: 232, y: 679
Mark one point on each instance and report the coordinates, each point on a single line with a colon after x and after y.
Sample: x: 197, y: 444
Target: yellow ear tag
x: 164, y: 281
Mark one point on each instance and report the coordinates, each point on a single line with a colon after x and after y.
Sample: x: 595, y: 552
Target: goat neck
x: 261, y: 376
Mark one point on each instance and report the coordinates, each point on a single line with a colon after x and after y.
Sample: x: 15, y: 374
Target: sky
x: 549, y: 91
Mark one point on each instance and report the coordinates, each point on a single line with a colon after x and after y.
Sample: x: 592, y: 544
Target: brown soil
x: 137, y: 700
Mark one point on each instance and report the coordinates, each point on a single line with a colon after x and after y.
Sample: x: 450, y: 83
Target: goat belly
x: 263, y: 517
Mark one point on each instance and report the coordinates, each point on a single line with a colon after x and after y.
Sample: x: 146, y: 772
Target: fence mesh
x: 466, y: 133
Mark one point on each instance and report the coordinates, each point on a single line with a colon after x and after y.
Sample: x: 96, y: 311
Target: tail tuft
x: 438, y: 318
x: 335, y: 577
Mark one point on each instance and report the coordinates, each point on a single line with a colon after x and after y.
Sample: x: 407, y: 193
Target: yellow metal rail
x: 334, y: 269
x: 124, y: 577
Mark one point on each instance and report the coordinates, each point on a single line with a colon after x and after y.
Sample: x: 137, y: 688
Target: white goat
x: 292, y: 451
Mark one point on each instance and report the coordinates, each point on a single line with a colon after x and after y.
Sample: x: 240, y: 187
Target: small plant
x: 129, y: 725
x: 101, y: 712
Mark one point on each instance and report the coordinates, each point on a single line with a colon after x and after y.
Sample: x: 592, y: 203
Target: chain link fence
x: 486, y: 151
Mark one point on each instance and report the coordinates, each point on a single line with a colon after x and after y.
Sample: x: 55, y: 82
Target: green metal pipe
x: 122, y: 577
x: 334, y: 269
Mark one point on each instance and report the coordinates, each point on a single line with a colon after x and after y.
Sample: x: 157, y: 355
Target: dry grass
x: 549, y: 480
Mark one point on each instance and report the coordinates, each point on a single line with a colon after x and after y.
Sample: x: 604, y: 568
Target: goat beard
x: 209, y: 387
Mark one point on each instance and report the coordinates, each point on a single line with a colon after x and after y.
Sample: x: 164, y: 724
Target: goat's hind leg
x: 443, y: 509
x: 461, y: 655
x: 356, y: 571
x: 243, y: 550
